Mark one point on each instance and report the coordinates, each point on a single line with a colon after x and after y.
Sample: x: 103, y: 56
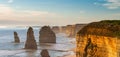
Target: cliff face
x: 16, y: 38
x: 118, y: 47
x: 78, y: 27
x: 63, y: 29
x: 71, y: 30
x: 96, y: 46
x: 47, y: 35
x: 98, y: 39
x: 30, y: 42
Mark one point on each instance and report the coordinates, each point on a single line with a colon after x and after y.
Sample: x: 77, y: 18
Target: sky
x: 57, y: 12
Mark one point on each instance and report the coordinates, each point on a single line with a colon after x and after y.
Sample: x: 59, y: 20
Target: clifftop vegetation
x: 103, y: 28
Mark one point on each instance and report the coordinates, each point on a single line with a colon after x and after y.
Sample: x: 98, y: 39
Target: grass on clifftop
x: 103, y: 28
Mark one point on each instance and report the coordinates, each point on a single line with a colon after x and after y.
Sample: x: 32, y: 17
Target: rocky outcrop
x: 45, y: 53
x: 56, y: 29
x: 71, y: 30
x: 63, y: 29
x: 16, y: 38
x: 30, y: 42
x: 47, y: 35
x: 98, y: 39
x: 78, y: 27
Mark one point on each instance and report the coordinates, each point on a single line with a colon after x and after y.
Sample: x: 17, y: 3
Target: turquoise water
x: 9, y: 49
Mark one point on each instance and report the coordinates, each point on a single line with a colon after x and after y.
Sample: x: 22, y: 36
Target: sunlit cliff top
x: 103, y: 28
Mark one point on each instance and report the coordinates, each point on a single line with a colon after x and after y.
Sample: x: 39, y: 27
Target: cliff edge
x: 98, y: 39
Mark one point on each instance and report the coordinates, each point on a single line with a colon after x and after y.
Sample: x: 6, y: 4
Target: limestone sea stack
x: 30, y: 42
x: 46, y: 35
x: 16, y: 38
x: 99, y: 39
x: 45, y: 53
x: 63, y: 29
x: 56, y: 29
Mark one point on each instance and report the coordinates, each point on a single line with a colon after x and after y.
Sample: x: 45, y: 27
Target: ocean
x: 8, y: 48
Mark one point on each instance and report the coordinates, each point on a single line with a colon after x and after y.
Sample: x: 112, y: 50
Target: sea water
x: 10, y: 49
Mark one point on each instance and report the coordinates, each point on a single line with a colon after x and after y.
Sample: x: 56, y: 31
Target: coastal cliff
x: 63, y: 29
x: 56, y: 29
x: 98, y: 39
x: 71, y: 30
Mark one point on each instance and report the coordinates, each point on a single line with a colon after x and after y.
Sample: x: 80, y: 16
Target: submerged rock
x: 45, y: 53
x: 30, y: 42
x: 16, y: 38
x: 98, y: 39
x: 47, y: 35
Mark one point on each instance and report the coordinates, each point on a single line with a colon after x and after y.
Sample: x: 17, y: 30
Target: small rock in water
x: 45, y: 53
x: 16, y: 38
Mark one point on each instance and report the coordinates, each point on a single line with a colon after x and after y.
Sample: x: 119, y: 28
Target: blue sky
x: 57, y: 12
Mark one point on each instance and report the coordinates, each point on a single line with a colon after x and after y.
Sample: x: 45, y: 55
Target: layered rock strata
x: 99, y: 39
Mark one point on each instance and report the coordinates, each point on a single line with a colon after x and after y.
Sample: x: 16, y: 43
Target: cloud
x: 10, y: 12
x: 5, y: 9
x: 82, y: 12
x: 112, y: 4
x: 8, y: 15
x: 10, y: 1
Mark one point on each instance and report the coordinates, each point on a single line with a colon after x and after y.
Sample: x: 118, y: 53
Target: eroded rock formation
x: 98, y: 39
x: 56, y: 29
x: 16, y: 38
x: 78, y: 27
x: 30, y: 42
x: 45, y: 53
x: 71, y: 30
x: 63, y: 29
x: 47, y: 35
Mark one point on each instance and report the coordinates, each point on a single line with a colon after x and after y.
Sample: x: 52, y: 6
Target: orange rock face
x: 98, y: 39
x: 96, y: 46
